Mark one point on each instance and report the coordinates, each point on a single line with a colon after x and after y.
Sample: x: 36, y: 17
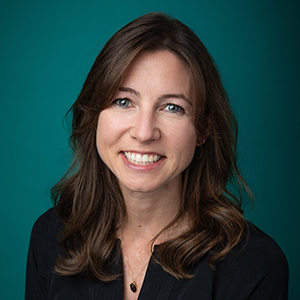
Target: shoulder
x: 257, y: 266
x: 46, y: 230
x: 258, y: 251
x: 47, y: 223
x: 42, y: 255
x: 260, y: 247
x: 43, y: 248
x: 49, y: 216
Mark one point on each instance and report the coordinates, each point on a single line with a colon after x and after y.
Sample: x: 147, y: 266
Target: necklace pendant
x: 133, y: 286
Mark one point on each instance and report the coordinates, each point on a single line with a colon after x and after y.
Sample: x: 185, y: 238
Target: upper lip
x: 143, y: 152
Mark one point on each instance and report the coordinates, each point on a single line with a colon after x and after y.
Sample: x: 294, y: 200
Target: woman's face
x: 147, y: 136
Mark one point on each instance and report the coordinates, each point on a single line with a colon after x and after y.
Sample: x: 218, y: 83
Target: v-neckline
x: 157, y: 283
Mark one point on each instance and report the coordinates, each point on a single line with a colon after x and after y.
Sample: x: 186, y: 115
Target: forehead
x: 158, y: 58
x: 159, y: 69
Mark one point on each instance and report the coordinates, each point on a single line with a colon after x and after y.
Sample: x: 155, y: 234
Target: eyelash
x: 179, y: 108
x: 118, y: 102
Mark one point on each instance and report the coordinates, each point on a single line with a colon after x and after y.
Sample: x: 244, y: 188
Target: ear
x: 202, y: 137
x: 201, y: 141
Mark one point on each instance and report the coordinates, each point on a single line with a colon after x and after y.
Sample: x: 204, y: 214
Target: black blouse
x: 255, y: 269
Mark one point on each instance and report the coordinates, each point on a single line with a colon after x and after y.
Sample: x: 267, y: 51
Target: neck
x: 148, y: 213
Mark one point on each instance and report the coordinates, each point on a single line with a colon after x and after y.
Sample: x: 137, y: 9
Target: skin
x: 152, y: 114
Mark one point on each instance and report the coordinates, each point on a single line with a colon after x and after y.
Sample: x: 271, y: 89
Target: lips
x: 142, y: 159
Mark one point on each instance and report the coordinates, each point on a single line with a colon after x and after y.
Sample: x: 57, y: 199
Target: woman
x: 144, y: 211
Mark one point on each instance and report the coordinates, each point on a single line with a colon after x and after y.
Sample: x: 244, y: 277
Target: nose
x: 145, y: 127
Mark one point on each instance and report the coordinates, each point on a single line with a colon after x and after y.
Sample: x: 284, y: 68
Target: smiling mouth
x: 142, y: 159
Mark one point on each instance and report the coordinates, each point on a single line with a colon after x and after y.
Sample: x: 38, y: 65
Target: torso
x: 257, y: 256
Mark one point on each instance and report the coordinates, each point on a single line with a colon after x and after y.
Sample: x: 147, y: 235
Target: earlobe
x: 202, y: 138
x: 201, y: 141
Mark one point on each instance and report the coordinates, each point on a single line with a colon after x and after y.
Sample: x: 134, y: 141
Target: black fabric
x: 256, y: 269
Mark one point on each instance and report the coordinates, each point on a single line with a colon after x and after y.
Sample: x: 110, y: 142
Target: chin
x: 140, y: 188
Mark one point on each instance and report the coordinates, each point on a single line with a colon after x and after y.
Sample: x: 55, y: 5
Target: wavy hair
x: 88, y: 199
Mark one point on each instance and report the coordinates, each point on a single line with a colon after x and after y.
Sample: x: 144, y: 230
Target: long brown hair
x: 88, y: 199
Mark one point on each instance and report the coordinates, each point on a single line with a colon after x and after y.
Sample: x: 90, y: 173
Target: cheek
x: 188, y: 135
x: 185, y: 141
x: 104, y: 135
x: 189, y: 146
x: 110, y: 130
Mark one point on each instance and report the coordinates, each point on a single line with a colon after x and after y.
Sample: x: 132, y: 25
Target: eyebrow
x: 163, y: 97
x: 177, y: 96
x: 129, y: 90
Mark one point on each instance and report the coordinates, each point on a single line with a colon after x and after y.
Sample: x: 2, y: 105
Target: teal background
x: 47, y: 49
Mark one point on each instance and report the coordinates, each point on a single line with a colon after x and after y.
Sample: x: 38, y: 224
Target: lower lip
x: 140, y: 167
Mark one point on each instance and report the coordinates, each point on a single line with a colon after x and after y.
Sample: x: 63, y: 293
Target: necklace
x: 133, y: 285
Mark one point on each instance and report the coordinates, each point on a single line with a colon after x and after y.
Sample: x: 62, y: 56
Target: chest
x: 156, y: 284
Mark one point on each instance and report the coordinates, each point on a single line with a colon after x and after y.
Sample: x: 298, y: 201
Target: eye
x: 123, y: 102
x: 174, y: 108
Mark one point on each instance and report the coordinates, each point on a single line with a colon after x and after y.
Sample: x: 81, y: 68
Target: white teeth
x: 142, y: 159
